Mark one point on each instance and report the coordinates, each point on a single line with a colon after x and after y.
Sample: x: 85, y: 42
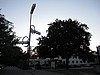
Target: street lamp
x: 31, y: 12
x: 31, y: 31
x: 32, y: 8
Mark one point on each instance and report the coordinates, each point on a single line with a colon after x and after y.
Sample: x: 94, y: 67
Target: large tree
x: 66, y: 38
x: 9, y: 52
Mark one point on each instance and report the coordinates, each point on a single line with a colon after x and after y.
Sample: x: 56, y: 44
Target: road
x: 14, y: 71
x: 17, y: 71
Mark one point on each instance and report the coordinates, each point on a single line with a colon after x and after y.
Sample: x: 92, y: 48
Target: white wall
x: 72, y: 61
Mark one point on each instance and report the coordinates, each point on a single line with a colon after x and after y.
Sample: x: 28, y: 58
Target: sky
x: 47, y: 11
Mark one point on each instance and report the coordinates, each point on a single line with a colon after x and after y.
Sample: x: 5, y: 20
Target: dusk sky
x: 47, y: 11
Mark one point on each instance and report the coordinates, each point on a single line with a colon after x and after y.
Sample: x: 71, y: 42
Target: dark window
x: 76, y: 61
x: 80, y: 61
x: 63, y: 62
x: 72, y: 61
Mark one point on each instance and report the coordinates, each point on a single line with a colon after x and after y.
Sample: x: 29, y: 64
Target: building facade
x: 73, y: 61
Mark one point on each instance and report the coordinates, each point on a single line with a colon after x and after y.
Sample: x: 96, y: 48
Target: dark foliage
x: 65, y: 38
x: 10, y: 53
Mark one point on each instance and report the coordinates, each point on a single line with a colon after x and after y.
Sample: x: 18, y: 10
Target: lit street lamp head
x: 32, y: 8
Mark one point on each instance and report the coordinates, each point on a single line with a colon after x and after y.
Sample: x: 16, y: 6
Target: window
x: 63, y: 62
x: 68, y: 61
x: 80, y: 61
x: 76, y: 61
x: 72, y: 61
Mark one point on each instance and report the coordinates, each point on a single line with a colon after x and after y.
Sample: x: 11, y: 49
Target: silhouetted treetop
x: 10, y: 53
x: 65, y: 38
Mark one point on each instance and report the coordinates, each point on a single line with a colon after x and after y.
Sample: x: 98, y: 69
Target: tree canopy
x: 65, y: 38
x: 9, y: 52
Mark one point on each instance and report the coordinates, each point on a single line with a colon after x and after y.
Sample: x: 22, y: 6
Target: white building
x: 73, y: 61
x: 78, y: 62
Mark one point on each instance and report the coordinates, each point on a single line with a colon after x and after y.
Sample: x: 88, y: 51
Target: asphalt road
x: 14, y: 71
x: 17, y: 71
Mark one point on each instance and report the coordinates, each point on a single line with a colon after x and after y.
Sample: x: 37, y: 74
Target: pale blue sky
x: 46, y: 11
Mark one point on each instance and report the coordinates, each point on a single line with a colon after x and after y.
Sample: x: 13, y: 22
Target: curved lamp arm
x: 34, y: 31
x: 33, y: 27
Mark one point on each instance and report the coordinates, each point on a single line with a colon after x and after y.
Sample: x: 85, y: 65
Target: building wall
x: 72, y: 61
x: 76, y: 61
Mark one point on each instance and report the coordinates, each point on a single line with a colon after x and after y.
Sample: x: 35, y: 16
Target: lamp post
x: 31, y: 12
x: 31, y: 31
